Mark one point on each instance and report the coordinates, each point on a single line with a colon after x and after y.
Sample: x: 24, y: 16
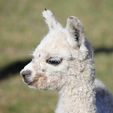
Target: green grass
x: 15, y: 97
x: 21, y: 29
x: 104, y: 69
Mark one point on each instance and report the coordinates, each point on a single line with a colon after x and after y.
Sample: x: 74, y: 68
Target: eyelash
x: 54, y: 61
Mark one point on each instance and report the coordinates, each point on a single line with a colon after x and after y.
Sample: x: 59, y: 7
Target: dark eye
x: 54, y: 60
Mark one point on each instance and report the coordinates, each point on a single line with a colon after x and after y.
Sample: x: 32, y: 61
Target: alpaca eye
x: 54, y: 61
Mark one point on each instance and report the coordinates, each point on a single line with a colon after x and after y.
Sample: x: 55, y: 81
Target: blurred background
x: 21, y: 29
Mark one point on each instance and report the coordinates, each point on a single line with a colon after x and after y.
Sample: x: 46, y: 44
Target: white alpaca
x: 64, y: 61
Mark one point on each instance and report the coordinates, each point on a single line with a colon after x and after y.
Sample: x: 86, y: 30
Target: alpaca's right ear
x: 75, y: 28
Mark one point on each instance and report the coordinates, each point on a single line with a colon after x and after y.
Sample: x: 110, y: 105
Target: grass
x: 21, y: 29
x: 15, y: 97
x: 104, y: 69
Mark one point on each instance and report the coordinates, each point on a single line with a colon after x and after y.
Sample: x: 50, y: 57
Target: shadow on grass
x: 12, y: 69
x: 103, y: 50
x: 15, y: 67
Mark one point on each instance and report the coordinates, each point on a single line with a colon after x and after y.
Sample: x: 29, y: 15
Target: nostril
x: 26, y: 73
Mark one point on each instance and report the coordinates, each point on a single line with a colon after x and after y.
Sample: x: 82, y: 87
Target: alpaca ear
x: 50, y: 20
x: 75, y: 28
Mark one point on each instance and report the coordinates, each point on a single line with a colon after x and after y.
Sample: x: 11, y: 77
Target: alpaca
x: 63, y: 61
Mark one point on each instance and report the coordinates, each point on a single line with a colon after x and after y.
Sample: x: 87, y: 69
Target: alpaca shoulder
x: 104, y: 99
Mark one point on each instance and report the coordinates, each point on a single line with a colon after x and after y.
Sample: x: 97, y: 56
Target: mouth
x: 27, y: 81
x: 37, y: 81
x: 30, y: 83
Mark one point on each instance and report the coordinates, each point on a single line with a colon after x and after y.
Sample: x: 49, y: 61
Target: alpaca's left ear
x: 75, y: 28
x: 50, y: 20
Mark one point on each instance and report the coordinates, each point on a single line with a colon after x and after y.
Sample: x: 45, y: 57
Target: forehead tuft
x: 54, y: 39
x: 54, y: 43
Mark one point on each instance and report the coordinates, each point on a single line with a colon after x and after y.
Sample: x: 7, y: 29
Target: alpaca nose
x: 26, y: 73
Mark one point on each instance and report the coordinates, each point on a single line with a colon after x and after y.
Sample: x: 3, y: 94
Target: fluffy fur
x: 63, y: 61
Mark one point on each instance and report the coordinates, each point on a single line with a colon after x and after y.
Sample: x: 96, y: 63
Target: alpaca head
x: 57, y: 58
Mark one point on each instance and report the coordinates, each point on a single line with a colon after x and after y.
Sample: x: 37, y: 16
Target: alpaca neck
x: 77, y: 96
